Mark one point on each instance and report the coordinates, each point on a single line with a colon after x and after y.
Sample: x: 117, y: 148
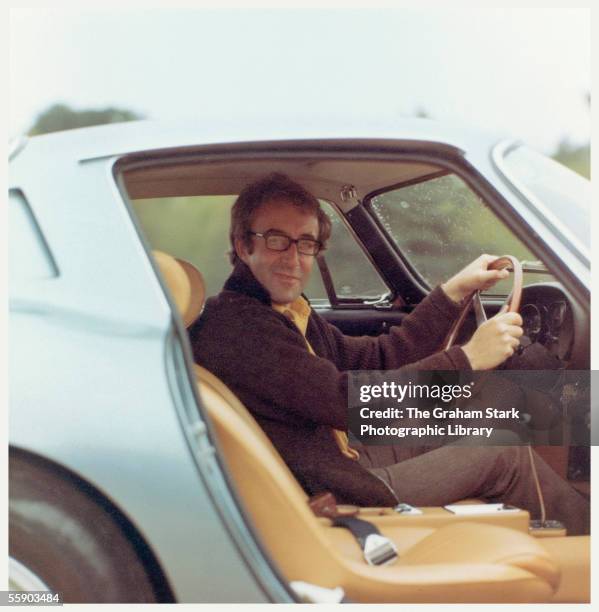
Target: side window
x: 28, y: 254
x: 197, y: 229
x: 441, y: 225
x: 192, y: 228
x: 353, y: 274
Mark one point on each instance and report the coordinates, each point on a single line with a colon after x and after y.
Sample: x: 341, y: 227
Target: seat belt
x: 377, y: 549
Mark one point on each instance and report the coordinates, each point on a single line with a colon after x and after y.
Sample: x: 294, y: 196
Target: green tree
x: 577, y: 158
x: 422, y: 113
x: 62, y: 117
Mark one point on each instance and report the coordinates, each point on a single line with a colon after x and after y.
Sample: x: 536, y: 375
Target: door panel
x: 362, y: 321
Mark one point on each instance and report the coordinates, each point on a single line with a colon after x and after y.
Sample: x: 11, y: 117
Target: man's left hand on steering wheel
x: 476, y: 276
x: 496, y: 339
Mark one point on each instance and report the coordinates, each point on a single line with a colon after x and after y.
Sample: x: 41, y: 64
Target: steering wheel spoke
x: 479, y: 309
x: 512, y: 301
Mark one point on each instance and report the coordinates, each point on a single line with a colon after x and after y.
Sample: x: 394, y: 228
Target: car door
x: 100, y: 390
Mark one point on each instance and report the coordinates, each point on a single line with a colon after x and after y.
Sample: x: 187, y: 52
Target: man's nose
x: 291, y: 254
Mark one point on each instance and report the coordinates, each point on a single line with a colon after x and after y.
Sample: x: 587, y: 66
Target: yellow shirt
x: 298, y: 313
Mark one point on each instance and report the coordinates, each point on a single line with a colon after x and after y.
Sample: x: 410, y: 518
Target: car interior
x: 442, y: 557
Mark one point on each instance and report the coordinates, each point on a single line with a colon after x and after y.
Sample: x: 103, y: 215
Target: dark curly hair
x: 275, y: 186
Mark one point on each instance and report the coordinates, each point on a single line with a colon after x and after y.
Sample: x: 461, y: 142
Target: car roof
x: 135, y: 136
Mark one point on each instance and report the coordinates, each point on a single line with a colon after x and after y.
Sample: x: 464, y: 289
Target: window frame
x: 350, y: 302
x: 28, y: 229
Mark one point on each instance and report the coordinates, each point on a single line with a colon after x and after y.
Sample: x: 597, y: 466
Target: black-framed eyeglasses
x: 276, y: 241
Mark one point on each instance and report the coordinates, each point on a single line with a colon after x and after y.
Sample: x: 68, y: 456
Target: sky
x: 520, y: 72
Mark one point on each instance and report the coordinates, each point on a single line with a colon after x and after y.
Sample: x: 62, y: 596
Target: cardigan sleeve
x: 417, y: 341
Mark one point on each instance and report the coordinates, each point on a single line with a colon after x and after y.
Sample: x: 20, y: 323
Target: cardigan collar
x: 243, y: 281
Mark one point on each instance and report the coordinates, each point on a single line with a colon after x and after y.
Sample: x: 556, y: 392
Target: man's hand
x: 474, y: 276
x: 494, y: 341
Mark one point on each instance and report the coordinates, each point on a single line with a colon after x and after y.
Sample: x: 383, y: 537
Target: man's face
x: 283, y: 274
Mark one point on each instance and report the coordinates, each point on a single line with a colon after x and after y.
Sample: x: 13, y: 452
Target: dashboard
x: 549, y: 318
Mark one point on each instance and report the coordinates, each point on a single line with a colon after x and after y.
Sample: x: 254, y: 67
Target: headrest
x: 198, y: 292
x: 185, y: 283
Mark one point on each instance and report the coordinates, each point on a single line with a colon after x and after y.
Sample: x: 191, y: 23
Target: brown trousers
x: 424, y: 477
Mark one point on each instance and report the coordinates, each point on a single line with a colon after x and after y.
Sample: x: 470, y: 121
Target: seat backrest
x: 275, y: 502
x: 208, y: 382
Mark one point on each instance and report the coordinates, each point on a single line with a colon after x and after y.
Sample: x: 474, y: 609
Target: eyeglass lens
x: 277, y: 242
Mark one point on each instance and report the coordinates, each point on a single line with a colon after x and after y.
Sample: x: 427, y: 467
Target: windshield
x: 440, y: 225
x: 564, y: 192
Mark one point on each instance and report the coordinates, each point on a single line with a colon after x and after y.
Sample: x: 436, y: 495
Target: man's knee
x: 502, y: 461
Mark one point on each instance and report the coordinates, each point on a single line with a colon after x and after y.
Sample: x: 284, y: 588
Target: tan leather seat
x: 456, y: 562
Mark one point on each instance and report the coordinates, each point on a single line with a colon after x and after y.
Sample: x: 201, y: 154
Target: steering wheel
x: 512, y: 301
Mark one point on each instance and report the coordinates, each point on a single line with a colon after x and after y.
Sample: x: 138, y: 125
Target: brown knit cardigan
x: 297, y: 397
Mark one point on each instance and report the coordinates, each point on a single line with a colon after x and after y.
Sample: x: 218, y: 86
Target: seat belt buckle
x: 404, y: 508
x: 379, y: 550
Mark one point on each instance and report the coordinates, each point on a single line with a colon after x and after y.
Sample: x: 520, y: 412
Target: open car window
x: 196, y: 229
x: 441, y: 225
x: 193, y: 228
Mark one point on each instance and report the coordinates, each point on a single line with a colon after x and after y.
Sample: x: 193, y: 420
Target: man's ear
x: 241, y: 249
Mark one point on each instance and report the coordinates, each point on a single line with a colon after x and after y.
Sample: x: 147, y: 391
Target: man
x: 289, y: 367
